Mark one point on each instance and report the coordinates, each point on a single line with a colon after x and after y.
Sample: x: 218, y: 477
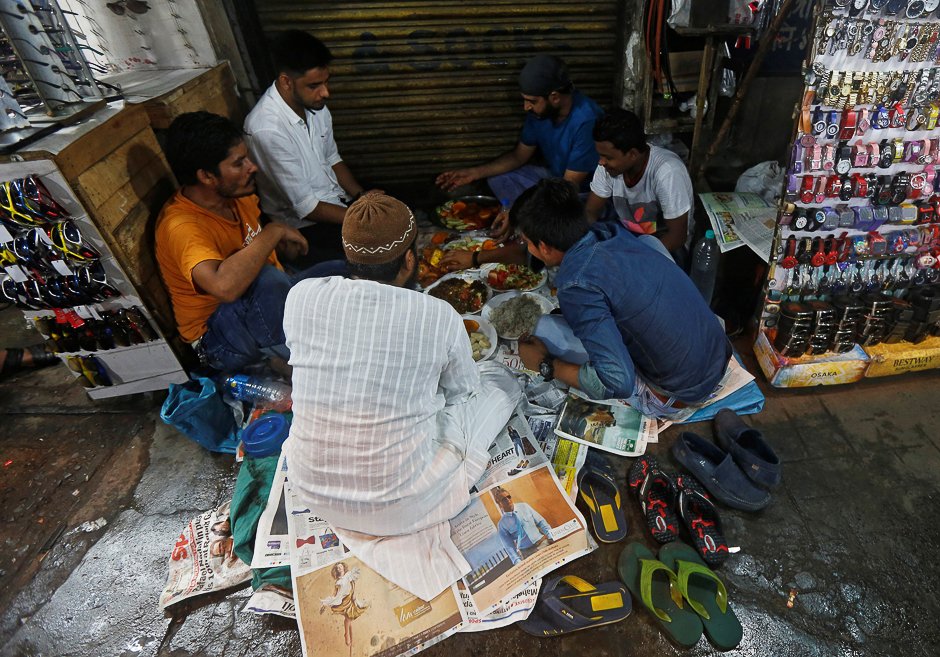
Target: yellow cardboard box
x: 890, y: 359
x: 820, y: 370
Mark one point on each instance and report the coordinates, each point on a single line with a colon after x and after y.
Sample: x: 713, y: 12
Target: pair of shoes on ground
x: 662, y: 494
x: 567, y: 604
x: 739, y: 470
x: 598, y: 489
x: 685, y: 597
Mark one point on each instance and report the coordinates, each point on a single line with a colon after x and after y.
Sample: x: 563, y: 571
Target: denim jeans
x: 508, y: 186
x: 251, y: 328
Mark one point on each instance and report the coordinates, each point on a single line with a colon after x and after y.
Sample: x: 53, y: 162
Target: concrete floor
x: 853, y: 528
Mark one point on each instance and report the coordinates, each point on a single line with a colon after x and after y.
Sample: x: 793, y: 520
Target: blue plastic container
x: 264, y: 436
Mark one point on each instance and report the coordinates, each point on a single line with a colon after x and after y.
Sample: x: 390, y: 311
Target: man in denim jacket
x: 648, y: 335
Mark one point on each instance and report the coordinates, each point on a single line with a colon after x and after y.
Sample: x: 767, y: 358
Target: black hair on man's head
x: 550, y: 212
x: 199, y: 140
x: 295, y: 52
x: 623, y: 129
x: 383, y: 272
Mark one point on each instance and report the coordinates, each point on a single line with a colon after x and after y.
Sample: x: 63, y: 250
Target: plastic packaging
x: 705, y: 265
x: 262, y: 392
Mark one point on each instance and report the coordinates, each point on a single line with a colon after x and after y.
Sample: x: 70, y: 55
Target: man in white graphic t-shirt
x: 649, y: 186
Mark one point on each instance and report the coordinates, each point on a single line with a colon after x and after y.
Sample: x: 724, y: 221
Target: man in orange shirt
x: 217, y: 261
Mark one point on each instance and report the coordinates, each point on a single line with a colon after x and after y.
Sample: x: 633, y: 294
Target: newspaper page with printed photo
x: 515, y: 532
x: 271, y: 539
x: 514, y: 451
x: 566, y: 456
x: 346, y: 608
x: 740, y: 218
x: 516, y: 608
x: 202, y: 559
x: 610, y: 425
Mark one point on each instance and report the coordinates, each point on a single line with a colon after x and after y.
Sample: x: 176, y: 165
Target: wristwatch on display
x: 547, y: 368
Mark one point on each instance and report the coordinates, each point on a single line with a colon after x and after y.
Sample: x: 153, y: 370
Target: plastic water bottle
x: 261, y: 392
x: 705, y: 265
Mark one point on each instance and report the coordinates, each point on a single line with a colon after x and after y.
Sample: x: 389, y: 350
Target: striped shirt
x: 374, y: 368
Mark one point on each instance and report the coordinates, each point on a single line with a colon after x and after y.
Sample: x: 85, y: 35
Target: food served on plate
x: 479, y: 343
x: 464, y: 296
x: 429, y: 269
x: 516, y: 316
x: 468, y: 215
x: 513, y: 277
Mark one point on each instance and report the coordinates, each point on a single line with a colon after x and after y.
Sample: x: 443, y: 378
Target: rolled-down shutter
x: 421, y: 87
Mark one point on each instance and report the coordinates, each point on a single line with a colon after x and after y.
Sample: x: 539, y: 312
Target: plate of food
x: 463, y: 290
x: 482, y: 336
x: 502, y: 277
x: 429, y: 265
x: 468, y: 213
x: 514, y: 314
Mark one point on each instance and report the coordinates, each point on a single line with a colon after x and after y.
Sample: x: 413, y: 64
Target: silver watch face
x: 931, y: 5
x: 843, y: 166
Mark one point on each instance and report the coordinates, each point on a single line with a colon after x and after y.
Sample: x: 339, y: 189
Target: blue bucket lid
x: 265, y: 435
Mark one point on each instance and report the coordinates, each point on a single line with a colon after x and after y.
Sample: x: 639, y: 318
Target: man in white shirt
x: 521, y: 528
x: 650, y: 186
x: 302, y: 179
x: 392, y: 417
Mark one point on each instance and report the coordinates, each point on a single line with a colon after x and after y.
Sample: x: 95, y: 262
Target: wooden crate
x: 213, y: 91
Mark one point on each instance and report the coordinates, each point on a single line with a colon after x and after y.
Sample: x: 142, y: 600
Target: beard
x: 234, y: 190
x: 551, y: 113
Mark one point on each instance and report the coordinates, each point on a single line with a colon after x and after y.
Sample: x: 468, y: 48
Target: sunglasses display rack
x: 58, y: 269
x: 854, y: 275
x: 43, y: 62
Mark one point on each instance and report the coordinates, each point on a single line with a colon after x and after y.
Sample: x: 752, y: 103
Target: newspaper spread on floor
x: 517, y: 608
x: 514, y: 532
x: 271, y: 539
x: 202, y: 559
x: 514, y: 450
x: 608, y: 424
x: 567, y: 457
x: 346, y: 608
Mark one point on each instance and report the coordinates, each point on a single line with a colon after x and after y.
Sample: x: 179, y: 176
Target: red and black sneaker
x: 657, y: 493
x: 700, y: 516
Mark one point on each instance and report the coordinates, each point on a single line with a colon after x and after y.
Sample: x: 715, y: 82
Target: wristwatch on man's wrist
x: 547, y: 368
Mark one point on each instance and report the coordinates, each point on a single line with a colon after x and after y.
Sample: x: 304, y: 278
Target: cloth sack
x: 196, y: 409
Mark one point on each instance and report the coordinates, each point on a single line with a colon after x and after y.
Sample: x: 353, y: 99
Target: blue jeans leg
x: 251, y: 328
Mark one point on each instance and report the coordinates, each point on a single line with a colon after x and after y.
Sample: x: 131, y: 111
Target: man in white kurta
x: 392, y: 417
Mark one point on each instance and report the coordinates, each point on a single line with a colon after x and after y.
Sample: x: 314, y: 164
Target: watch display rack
x: 57, y: 268
x: 856, y: 259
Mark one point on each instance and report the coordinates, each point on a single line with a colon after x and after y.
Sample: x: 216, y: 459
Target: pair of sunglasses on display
x: 94, y: 374
x: 25, y: 202
x: 87, y: 285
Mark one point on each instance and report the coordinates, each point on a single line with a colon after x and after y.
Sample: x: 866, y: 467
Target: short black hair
x: 384, y: 272
x: 550, y: 212
x: 295, y: 52
x: 199, y: 140
x: 623, y: 129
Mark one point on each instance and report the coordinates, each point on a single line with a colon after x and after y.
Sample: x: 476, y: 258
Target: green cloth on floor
x: 248, y: 501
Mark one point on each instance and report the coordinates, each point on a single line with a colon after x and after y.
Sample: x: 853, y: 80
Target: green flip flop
x: 706, y: 594
x: 656, y: 587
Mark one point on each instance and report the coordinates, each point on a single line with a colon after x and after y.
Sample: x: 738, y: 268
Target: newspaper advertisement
x: 313, y: 543
x: 735, y: 378
x: 515, y: 532
x: 729, y: 211
x: 202, y: 559
x: 516, y: 608
x: 610, y: 425
x: 271, y: 539
x: 346, y: 608
x: 756, y: 229
x: 513, y: 451
x: 566, y: 456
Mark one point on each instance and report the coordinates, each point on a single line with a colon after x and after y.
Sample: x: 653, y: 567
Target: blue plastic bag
x: 196, y: 409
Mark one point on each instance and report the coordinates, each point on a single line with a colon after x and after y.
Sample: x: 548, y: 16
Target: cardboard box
x: 822, y: 370
x: 891, y: 359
